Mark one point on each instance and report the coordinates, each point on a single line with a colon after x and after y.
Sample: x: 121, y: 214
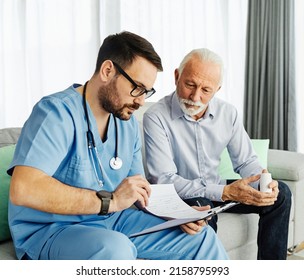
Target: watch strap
x: 105, y: 198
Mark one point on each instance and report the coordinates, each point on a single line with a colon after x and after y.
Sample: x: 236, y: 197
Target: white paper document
x: 165, y: 202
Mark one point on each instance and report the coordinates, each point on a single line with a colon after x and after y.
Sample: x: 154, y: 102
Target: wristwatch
x: 105, y: 198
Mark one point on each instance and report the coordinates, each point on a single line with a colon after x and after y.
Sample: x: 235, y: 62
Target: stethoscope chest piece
x: 116, y: 163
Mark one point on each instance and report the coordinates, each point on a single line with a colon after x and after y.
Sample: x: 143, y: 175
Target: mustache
x: 190, y: 102
x: 134, y: 106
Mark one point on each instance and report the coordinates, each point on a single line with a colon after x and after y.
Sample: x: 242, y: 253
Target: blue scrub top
x: 54, y: 140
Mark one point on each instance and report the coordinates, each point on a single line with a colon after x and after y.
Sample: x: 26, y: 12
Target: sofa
x: 237, y: 232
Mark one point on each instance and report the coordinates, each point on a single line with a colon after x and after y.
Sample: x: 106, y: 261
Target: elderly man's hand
x: 195, y: 227
x: 241, y: 191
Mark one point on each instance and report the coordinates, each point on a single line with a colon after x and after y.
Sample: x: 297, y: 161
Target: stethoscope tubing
x: 115, y: 162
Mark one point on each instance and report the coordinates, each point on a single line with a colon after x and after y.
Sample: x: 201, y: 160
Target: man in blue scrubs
x: 78, y: 168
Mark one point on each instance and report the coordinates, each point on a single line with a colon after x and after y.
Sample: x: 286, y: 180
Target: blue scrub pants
x: 106, y: 238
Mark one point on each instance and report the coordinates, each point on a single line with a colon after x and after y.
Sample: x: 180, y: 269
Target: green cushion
x: 261, y: 148
x: 6, y: 156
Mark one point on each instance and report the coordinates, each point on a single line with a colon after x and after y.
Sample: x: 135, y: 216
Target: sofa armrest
x: 286, y: 165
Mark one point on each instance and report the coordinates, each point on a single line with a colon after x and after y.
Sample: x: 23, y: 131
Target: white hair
x: 205, y: 55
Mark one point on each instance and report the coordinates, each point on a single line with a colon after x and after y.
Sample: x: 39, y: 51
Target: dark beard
x: 109, y: 100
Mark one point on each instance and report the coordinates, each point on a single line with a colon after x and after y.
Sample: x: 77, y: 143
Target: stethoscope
x: 115, y: 162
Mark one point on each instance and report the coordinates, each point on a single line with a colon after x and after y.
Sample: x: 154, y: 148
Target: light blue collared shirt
x: 187, y: 152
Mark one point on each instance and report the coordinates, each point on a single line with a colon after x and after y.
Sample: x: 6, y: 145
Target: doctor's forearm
x: 32, y: 188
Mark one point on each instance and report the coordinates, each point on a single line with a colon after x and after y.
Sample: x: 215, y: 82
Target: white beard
x: 191, y: 111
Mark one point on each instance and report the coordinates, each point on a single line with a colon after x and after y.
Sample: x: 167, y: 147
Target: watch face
x: 105, y: 194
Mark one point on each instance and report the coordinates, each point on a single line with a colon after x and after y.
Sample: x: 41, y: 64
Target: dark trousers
x: 273, y: 224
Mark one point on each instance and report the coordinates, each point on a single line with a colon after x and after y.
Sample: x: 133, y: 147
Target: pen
x: 198, y: 203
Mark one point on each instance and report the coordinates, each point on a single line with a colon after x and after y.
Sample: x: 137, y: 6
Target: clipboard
x: 177, y: 222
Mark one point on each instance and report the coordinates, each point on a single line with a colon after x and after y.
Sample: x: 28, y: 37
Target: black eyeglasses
x: 137, y: 90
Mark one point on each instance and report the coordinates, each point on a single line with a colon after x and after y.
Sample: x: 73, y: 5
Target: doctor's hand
x: 195, y: 227
x: 132, y: 189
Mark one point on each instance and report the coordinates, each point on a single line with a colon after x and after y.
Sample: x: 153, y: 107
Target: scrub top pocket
x: 81, y: 173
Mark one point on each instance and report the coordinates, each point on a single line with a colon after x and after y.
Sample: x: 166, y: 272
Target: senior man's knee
x: 117, y: 247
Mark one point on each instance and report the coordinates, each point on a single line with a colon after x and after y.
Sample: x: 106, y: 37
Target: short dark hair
x: 124, y: 47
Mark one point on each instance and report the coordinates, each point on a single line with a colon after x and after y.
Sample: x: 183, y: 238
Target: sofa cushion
x: 7, y: 250
x: 9, y: 136
x: 242, y: 230
x: 260, y: 146
x: 6, y: 155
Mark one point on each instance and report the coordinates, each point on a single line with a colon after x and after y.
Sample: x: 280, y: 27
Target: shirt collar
x: 177, y: 112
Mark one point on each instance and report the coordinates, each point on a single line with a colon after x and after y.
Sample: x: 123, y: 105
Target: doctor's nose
x: 140, y: 100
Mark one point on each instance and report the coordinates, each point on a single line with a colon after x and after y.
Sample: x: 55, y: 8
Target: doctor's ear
x: 107, y: 71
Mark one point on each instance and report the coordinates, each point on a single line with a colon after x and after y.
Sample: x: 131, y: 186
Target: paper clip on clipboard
x: 178, y: 222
